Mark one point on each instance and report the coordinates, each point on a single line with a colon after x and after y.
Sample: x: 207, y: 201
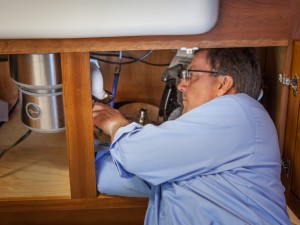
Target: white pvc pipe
x: 97, y: 80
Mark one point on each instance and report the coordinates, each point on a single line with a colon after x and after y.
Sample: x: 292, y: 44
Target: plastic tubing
x: 116, y: 80
x: 115, y: 85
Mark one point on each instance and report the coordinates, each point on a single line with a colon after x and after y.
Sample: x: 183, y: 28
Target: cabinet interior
x: 38, y: 167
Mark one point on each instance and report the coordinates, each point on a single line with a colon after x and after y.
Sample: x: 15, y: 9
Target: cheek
x: 203, y: 93
x: 200, y: 89
x: 197, y: 96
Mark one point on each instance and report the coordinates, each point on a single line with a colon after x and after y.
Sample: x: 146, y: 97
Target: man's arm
x: 213, y: 138
x: 109, y: 181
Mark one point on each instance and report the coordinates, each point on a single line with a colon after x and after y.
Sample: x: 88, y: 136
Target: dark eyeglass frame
x: 186, y: 75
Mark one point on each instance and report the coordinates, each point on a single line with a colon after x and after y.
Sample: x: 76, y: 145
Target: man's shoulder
x: 232, y: 101
x: 238, y: 98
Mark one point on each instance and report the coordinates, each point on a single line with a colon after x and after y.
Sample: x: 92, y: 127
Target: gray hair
x: 242, y: 64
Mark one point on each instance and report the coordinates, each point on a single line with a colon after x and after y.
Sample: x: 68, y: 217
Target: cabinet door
x: 291, y: 153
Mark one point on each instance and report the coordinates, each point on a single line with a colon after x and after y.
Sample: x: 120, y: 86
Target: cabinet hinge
x: 293, y: 82
x: 285, y: 167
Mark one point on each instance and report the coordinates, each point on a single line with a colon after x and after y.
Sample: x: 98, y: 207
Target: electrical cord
x: 14, y: 106
x: 16, y: 143
x: 129, y: 62
x: 94, y: 54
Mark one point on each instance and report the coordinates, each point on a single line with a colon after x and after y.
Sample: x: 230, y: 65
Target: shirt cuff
x: 123, y: 130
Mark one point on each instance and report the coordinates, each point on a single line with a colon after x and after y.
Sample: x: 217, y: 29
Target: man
x: 218, y: 163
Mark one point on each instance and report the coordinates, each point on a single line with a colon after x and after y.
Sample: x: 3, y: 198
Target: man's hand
x: 109, y: 120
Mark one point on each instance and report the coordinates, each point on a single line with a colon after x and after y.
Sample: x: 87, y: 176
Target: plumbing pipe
x: 97, y: 80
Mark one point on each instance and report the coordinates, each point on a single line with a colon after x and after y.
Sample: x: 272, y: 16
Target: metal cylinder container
x: 39, y: 80
x: 36, y: 71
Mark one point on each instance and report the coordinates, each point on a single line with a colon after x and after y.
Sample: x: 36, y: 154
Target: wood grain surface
x: 37, y: 167
x: 79, y: 124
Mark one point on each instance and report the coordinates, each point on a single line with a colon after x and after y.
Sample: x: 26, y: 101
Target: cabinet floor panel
x: 37, y: 167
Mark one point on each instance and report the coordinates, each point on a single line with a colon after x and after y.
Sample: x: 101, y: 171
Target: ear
x: 225, y: 84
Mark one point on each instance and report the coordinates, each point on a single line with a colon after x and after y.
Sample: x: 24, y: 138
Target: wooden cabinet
x: 291, y: 156
x: 241, y: 23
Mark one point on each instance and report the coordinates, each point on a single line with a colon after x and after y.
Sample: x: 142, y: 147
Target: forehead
x: 200, y: 61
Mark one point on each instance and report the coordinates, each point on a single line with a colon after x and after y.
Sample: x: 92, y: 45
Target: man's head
x: 228, y: 71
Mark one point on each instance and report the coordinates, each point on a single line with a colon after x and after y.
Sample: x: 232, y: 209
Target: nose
x: 182, y: 86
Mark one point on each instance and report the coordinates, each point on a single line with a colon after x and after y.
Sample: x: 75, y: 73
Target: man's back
x: 218, y: 164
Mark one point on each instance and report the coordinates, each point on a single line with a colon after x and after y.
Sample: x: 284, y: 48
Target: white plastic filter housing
x: 105, y: 18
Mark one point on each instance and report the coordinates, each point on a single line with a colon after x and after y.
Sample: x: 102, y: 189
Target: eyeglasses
x: 186, y: 74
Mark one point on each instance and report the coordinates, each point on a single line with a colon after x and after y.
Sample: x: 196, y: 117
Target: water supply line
x: 116, y: 80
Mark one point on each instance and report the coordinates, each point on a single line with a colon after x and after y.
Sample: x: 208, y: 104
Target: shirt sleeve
x: 212, y: 138
x: 110, y: 182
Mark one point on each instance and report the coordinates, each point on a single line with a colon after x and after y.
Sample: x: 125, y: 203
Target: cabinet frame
x: 240, y: 24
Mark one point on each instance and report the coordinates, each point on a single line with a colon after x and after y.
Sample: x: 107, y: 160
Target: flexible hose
x: 116, y: 80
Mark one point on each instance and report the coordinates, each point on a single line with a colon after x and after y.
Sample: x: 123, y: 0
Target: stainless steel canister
x: 36, y: 71
x: 39, y: 80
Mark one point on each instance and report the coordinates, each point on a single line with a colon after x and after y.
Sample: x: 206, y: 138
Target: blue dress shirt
x: 216, y: 164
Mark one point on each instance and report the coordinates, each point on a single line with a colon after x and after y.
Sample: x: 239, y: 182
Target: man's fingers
x: 100, y: 106
x: 96, y: 113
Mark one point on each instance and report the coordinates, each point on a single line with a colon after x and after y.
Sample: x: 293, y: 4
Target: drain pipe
x: 97, y: 80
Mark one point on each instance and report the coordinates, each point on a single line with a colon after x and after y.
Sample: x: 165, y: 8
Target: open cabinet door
x: 291, y: 151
